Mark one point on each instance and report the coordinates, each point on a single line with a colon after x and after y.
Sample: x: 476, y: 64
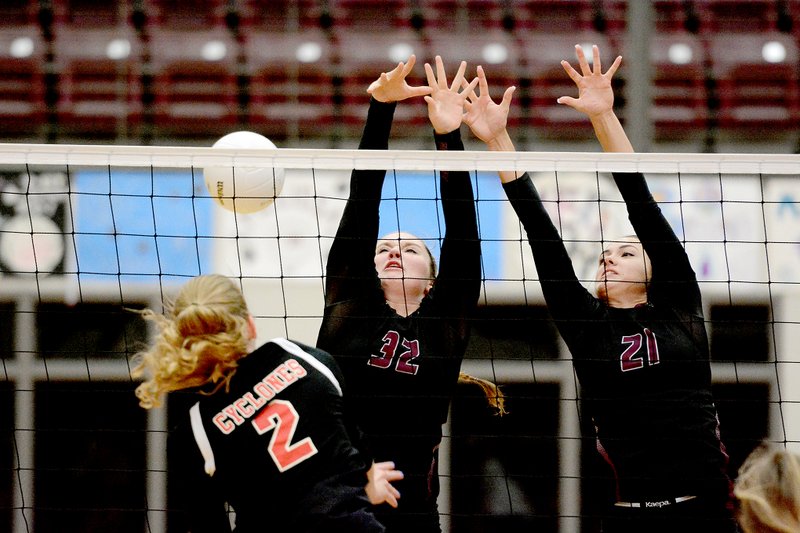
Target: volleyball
x: 244, y: 189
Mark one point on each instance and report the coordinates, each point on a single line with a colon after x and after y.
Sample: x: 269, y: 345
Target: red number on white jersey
x: 281, y: 416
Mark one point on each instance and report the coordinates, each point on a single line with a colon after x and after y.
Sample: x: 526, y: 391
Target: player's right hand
x: 392, y: 87
x: 379, y: 485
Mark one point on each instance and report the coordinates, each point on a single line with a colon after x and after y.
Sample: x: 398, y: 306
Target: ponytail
x: 199, y: 340
x: 494, y: 396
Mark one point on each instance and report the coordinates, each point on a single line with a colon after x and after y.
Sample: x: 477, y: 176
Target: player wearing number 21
x: 639, y: 344
x: 265, y: 432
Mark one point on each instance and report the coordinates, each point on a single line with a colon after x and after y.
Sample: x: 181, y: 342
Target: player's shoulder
x: 292, y: 346
x: 298, y: 350
x: 282, y: 353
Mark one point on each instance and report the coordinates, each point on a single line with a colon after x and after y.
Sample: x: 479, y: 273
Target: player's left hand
x: 379, y: 484
x: 595, y: 94
x: 446, y: 103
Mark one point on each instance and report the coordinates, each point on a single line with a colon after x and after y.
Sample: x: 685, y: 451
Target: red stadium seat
x: 195, y: 82
x: 19, y: 13
x: 680, y: 99
x: 553, y: 16
x: 675, y: 16
x: 291, y: 84
x: 612, y: 16
x: 755, y: 94
x: 22, y: 86
x: 183, y: 15
x: 737, y: 16
x: 548, y: 81
x: 363, y: 57
x: 99, y: 82
x: 85, y: 14
x: 464, y: 16
x: 280, y: 15
x: 368, y: 15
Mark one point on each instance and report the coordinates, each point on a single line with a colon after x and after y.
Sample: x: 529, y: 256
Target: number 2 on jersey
x: 281, y: 416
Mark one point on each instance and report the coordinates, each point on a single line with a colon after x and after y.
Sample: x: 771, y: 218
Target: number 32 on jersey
x: 392, y: 344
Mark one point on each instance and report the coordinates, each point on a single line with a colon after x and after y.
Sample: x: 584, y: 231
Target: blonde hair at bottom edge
x: 768, y: 492
x: 199, y: 340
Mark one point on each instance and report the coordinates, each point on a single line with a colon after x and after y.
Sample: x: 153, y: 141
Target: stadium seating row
x: 696, y: 16
x: 168, y: 81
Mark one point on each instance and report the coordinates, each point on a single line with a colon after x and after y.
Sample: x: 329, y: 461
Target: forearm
x: 542, y: 234
x: 503, y: 143
x: 673, y: 276
x: 350, y: 258
x: 378, y: 126
x: 458, y: 200
x: 460, y: 257
x: 610, y: 133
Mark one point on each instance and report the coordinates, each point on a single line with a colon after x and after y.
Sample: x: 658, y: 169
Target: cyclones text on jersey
x: 248, y: 404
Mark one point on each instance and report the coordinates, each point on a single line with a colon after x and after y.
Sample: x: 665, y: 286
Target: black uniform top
x: 276, y: 445
x: 644, y: 371
x: 401, y: 371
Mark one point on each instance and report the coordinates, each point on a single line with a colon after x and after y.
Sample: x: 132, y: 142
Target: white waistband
x: 656, y: 504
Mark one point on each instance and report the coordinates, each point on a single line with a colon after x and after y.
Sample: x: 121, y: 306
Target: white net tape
x: 84, y: 225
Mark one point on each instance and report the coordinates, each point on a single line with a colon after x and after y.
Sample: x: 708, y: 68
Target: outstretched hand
x: 595, y: 95
x: 446, y: 103
x: 485, y: 118
x: 379, y: 483
x: 392, y: 86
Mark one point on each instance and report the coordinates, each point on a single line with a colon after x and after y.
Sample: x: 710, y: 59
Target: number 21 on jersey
x: 632, y: 358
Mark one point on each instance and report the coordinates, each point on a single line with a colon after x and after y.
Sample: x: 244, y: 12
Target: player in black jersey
x: 266, y: 433
x: 639, y: 345
x: 398, y: 330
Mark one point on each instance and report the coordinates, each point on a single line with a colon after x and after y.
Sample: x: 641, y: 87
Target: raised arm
x: 566, y: 297
x: 488, y: 120
x: 460, y: 269
x: 673, y: 278
x: 350, y: 267
x: 596, y: 99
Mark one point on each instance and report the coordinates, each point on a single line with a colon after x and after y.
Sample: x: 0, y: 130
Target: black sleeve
x: 200, y: 508
x: 351, y: 269
x: 566, y: 298
x: 459, y: 278
x: 357, y: 437
x: 673, y: 281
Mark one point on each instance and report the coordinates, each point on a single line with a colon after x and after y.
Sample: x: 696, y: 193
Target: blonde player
x: 266, y: 432
x: 768, y: 491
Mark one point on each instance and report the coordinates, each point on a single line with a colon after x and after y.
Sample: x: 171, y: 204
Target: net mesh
x: 86, y: 231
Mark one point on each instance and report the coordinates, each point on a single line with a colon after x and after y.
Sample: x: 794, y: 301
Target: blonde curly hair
x: 200, y: 338
x: 494, y: 396
x: 768, y: 492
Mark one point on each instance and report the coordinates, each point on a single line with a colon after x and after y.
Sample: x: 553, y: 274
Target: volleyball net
x: 86, y: 231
